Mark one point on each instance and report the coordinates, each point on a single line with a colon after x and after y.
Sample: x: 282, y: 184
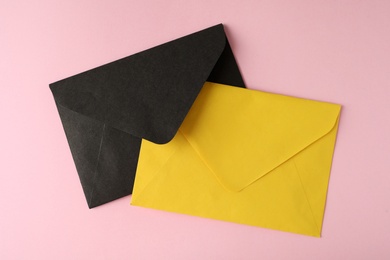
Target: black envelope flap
x: 147, y: 94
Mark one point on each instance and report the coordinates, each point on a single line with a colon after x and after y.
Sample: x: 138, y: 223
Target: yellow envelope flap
x: 242, y: 135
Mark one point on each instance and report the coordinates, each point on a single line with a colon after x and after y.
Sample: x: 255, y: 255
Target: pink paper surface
x: 336, y: 51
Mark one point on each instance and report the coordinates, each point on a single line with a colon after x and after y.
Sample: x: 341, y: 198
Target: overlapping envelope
x: 211, y: 149
x: 244, y: 156
x: 107, y: 110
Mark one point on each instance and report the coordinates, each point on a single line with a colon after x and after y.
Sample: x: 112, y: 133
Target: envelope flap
x: 256, y: 131
x: 149, y: 93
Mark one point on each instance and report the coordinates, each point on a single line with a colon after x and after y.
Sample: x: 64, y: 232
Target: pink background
x: 337, y: 51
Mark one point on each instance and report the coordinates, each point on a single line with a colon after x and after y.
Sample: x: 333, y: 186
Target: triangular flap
x: 244, y: 134
x: 147, y: 94
x: 105, y: 158
x: 115, y: 171
x: 84, y: 138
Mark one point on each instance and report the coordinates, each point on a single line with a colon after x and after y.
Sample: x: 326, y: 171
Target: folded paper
x: 244, y: 156
x: 107, y: 110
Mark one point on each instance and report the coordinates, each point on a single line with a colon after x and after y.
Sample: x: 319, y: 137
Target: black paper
x: 106, y: 111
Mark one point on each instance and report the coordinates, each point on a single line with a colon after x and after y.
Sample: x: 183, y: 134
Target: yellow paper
x: 244, y: 156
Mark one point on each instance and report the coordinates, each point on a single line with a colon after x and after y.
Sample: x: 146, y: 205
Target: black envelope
x: 106, y: 111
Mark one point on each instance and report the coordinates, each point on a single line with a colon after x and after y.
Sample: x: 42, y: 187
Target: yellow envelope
x: 244, y: 156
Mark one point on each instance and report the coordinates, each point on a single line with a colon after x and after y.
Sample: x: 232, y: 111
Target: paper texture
x: 244, y: 156
x: 107, y: 110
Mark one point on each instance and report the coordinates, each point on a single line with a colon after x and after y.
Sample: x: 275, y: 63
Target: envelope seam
x: 293, y: 155
x: 304, y: 191
x: 204, y: 161
x: 97, y: 164
x: 322, y: 135
x: 134, y: 196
